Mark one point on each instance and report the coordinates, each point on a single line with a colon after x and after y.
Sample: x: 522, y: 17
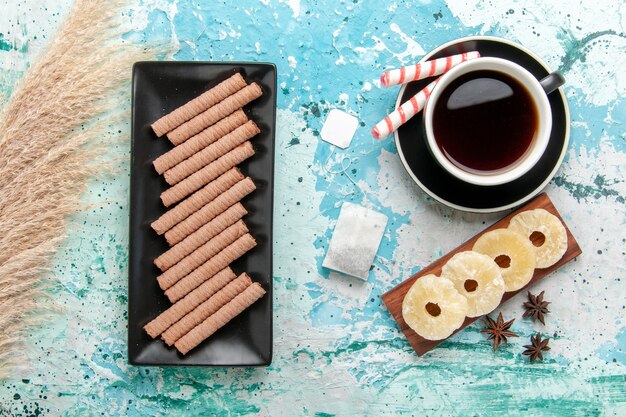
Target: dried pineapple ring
x: 513, y: 253
x: 433, y: 308
x: 478, y: 278
x: 546, y: 233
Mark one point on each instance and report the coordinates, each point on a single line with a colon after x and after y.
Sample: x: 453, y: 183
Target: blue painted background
x: 337, y: 351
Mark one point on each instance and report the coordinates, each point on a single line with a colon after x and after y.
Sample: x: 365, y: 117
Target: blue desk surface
x: 336, y: 349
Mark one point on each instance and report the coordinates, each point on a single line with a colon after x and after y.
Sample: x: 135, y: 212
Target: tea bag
x: 339, y: 128
x: 355, y: 240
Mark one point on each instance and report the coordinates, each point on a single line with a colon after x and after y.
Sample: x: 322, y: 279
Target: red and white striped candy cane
x: 403, y: 113
x: 425, y: 69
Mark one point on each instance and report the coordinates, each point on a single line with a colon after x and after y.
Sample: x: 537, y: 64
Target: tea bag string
x: 344, y: 170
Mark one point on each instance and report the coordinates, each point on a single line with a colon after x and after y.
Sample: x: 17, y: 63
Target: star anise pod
x: 498, y: 330
x: 536, y: 347
x: 536, y: 307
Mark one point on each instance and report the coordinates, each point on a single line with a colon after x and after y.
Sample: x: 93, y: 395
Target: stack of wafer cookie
x: 203, y: 223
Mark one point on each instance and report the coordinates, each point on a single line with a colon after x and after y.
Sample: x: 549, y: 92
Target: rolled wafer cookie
x: 220, y: 261
x: 202, y: 254
x: 197, y: 200
x: 215, y: 113
x: 200, y: 141
x: 211, y: 210
x: 204, y: 310
x: 190, y: 302
x: 211, y: 153
x: 199, y: 104
x: 216, y: 321
x: 207, y: 174
x: 200, y: 236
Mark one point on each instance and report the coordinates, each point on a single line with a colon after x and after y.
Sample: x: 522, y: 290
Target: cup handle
x: 552, y: 82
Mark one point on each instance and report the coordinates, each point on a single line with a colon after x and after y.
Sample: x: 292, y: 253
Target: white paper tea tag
x: 355, y: 240
x: 339, y: 128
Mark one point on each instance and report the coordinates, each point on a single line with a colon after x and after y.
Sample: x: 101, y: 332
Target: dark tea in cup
x: 485, y: 121
x: 488, y: 120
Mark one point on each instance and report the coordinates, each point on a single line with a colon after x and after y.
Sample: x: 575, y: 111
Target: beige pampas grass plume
x: 52, y: 130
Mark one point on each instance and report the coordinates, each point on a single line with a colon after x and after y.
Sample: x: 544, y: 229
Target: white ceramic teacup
x: 537, y: 90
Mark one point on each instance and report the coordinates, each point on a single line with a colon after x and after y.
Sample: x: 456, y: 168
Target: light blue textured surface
x: 336, y: 349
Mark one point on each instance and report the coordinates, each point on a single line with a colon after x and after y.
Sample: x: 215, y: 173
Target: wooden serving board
x: 393, y: 298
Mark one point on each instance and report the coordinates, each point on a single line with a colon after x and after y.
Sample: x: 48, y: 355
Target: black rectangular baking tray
x: 157, y: 89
